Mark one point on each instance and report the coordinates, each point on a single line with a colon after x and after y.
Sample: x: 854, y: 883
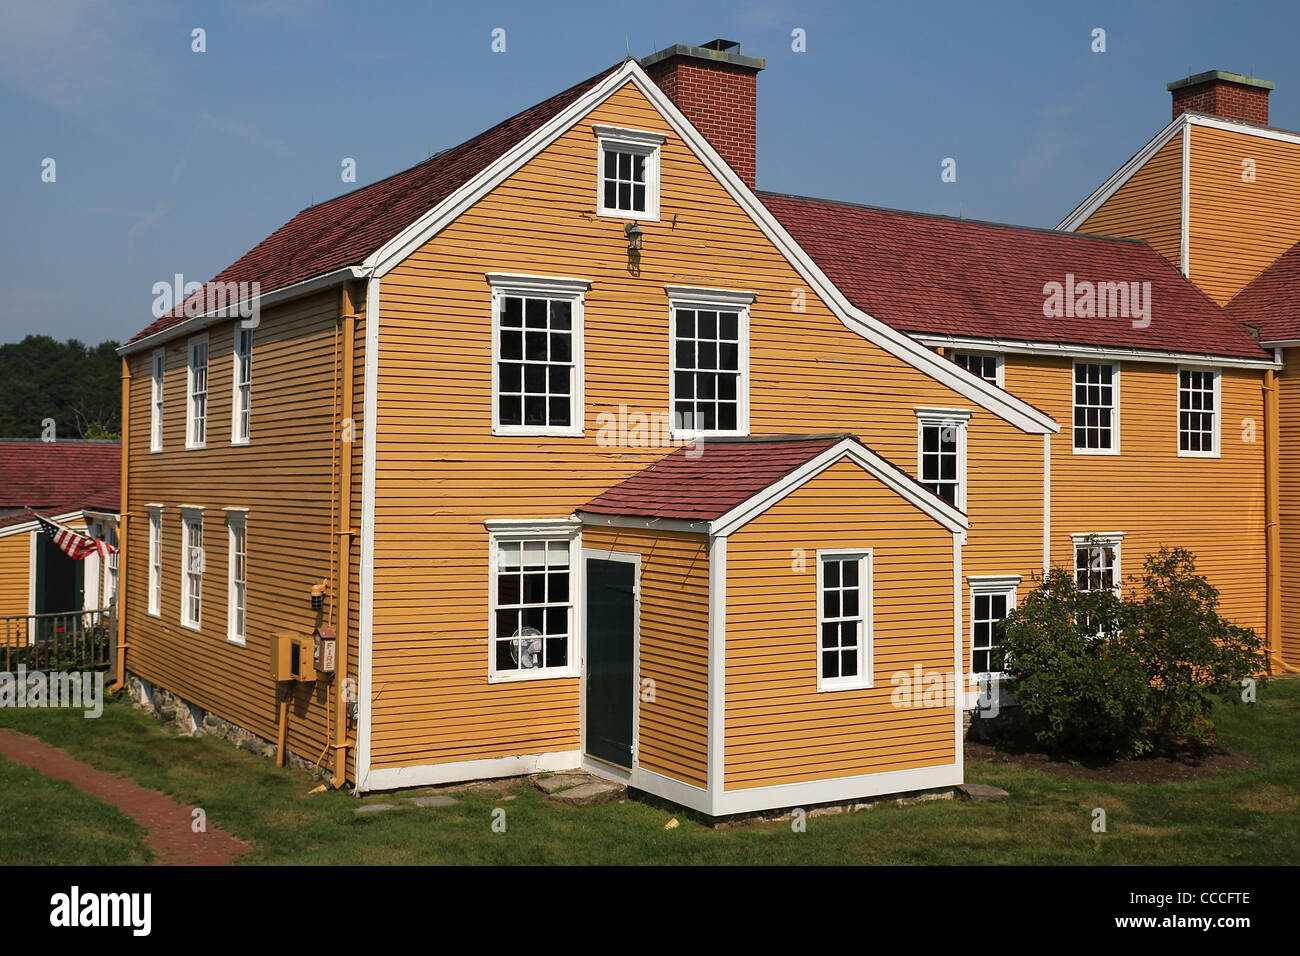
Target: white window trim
x: 157, y: 377
x: 944, y: 417
x: 1108, y: 539
x: 989, y: 585
x: 1218, y: 413
x: 235, y: 394
x: 1115, y: 408
x: 236, y: 518
x: 710, y: 300
x: 155, y: 570
x: 866, y: 605
x: 639, y: 141
x: 190, y: 417
x: 504, y: 284
x: 999, y: 363
x: 509, y: 530
x: 190, y: 513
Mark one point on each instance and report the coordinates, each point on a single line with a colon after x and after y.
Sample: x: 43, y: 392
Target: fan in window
x: 526, y: 649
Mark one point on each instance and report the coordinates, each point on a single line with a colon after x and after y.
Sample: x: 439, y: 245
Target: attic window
x: 628, y: 173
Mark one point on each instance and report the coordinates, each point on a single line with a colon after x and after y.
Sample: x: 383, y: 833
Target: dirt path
x: 169, y: 824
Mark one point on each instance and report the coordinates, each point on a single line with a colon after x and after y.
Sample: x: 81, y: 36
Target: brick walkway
x: 168, y: 823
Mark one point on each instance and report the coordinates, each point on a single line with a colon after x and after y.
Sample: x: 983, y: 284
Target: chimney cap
x: 716, y: 51
x: 1222, y: 76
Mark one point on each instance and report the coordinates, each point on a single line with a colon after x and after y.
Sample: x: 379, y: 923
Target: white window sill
x: 533, y: 674
x: 157, y: 614
x: 650, y: 215
x: 237, y: 641
x: 526, y: 432
x: 196, y: 628
x: 827, y: 688
x: 1198, y: 454
x: 189, y: 447
x: 1096, y: 451
x: 702, y: 436
x: 239, y: 442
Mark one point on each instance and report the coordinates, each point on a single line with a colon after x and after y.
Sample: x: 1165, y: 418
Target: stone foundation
x: 190, y: 720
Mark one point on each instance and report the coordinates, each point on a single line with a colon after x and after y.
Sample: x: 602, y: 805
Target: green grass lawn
x: 1249, y: 817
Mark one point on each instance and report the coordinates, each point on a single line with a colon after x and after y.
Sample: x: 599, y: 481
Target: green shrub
x: 1098, y: 676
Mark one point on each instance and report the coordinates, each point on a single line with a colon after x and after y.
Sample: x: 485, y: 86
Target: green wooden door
x: 611, y: 681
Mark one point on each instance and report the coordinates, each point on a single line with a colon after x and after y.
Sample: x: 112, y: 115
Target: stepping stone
x: 561, y: 781
x: 376, y: 808
x: 597, y: 791
x: 982, y: 793
x: 435, y: 800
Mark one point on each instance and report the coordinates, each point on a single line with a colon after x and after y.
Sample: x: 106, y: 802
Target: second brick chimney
x: 717, y: 89
x: 1217, y: 93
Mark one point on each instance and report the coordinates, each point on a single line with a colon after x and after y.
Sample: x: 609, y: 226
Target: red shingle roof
x: 344, y: 231
x: 58, y: 477
x: 704, y: 482
x: 943, y: 276
x: 1271, y: 303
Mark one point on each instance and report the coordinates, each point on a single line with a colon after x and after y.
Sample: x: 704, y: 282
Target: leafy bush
x: 1099, y: 676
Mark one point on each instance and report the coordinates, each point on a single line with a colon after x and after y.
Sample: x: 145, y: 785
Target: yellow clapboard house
x: 568, y: 447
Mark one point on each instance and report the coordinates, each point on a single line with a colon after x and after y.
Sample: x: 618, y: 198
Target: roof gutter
x: 277, y: 297
x: 1022, y: 347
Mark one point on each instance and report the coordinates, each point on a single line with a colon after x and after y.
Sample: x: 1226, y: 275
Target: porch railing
x: 71, y: 640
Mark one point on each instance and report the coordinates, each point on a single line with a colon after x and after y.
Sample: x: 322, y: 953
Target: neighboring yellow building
x: 587, y: 453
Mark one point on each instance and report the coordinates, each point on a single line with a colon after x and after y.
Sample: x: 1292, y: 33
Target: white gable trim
x: 969, y: 386
x: 887, y: 474
x: 1081, y: 212
x: 1019, y: 347
x: 29, y: 526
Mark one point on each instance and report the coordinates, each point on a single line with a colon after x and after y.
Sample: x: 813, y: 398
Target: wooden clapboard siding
x: 673, y: 725
x: 1148, y: 206
x: 283, y: 478
x: 1288, y: 382
x: 779, y: 728
x: 15, y: 584
x: 441, y: 472
x: 1237, y: 228
x: 1211, y: 506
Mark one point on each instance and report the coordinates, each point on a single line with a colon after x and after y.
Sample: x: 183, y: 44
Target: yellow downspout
x: 1272, y: 524
x: 350, y: 308
x: 121, y: 531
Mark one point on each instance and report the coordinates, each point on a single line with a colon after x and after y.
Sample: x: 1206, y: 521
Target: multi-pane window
x: 1096, y: 563
x: 1095, y: 408
x: 628, y: 174
x: 532, y: 625
x: 112, y: 568
x: 844, y: 620
x: 156, y: 401
x: 1198, y: 418
x: 192, y: 562
x: 237, y: 609
x: 708, y: 369
x: 241, y: 425
x: 155, y: 561
x: 941, y: 453
x: 537, y: 364
x: 991, y: 601
x: 981, y: 364
x: 197, y: 404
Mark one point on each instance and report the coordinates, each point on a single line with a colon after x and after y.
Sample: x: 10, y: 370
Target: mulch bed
x: 1146, y: 770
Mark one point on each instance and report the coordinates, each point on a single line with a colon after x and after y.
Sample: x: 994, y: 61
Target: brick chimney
x: 1217, y: 93
x: 717, y: 89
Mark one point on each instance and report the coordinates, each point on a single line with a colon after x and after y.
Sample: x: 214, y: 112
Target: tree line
x: 74, y: 385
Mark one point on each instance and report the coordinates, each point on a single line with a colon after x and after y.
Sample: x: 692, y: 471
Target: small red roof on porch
x: 704, y: 481
x: 58, y: 477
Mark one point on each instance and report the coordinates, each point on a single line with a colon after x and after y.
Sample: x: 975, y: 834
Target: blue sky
x: 173, y: 161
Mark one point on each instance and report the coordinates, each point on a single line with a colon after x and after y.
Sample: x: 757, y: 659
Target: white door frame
x: 594, y: 764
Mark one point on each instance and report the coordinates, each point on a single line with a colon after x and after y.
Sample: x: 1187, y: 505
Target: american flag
x: 75, y: 546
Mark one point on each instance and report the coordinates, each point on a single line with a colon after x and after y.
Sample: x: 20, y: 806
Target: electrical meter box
x: 292, y: 657
x: 325, y: 644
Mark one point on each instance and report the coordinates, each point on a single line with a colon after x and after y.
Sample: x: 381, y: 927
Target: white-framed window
x: 237, y: 576
x: 534, y: 589
x: 991, y: 600
x: 844, y: 607
x: 1097, y: 561
x: 1096, y: 408
x: 159, y: 367
x: 241, y: 428
x: 155, y: 561
x: 627, y: 181
x: 196, y: 417
x: 193, y: 559
x: 1198, y: 412
x: 537, y: 355
x: 986, y: 365
x: 112, y: 567
x: 709, y: 343
x: 941, y: 453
